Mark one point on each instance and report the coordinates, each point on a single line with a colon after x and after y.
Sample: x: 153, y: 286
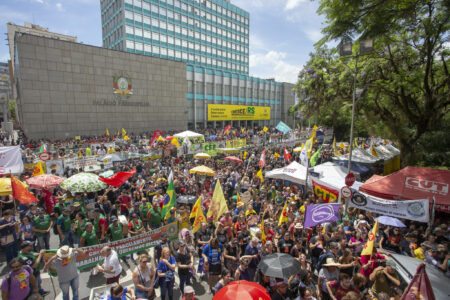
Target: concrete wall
x: 66, y: 89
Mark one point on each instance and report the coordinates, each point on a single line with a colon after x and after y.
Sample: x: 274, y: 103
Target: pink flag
x: 262, y: 159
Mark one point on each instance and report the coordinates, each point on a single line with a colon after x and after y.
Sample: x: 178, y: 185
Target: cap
x: 188, y: 289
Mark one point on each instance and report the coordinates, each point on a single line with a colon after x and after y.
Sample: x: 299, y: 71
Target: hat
x: 76, y: 204
x: 113, y: 219
x: 330, y: 263
x: 298, y: 226
x: 26, y: 244
x: 188, y: 289
x: 64, y: 252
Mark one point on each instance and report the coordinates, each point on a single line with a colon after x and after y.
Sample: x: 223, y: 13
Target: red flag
x: 287, y: 155
x: 262, y: 159
x: 227, y: 129
x: 21, y: 193
x: 118, y: 179
x: 419, y: 287
x: 156, y: 134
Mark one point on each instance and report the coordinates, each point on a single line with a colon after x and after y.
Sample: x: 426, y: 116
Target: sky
x: 282, y: 32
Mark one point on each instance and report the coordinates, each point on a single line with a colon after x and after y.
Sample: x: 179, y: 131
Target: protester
x: 144, y: 278
x: 111, y: 266
x: 19, y: 283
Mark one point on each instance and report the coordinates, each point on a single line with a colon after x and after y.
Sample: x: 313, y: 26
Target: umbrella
x: 243, y: 290
x: 391, y: 221
x: 202, y: 170
x: 186, y: 199
x: 202, y: 156
x: 44, y: 181
x: 279, y: 265
x: 234, y: 159
x: 83, y: 183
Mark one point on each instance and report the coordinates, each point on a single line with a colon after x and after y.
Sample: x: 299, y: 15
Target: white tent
x: 188, y: 134
x: 294, y: 172
x: 332, y: 175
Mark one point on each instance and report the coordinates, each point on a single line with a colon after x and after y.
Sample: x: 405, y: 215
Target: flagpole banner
x: 325, y: 193
x: 417, y: 210
x: 321, y: 213
x: 127, y: 246
x: 11, y: 160
x: 283, y: 127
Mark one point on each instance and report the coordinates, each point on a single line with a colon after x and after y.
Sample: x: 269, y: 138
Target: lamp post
x: 346, y: 50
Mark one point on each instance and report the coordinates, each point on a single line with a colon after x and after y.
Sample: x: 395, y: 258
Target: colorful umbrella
x: 83, y: 183
x: 202, y: 170
x: 242, y: 290
x: 44, y: 181
x: 202, y: 156
x: 234, y: 159
x: 279, y: 265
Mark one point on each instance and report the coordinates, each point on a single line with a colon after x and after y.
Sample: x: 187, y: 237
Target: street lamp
x: 345, y: 48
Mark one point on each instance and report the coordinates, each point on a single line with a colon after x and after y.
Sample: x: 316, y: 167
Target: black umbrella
x: 279, y: 265
x: 186, y: 199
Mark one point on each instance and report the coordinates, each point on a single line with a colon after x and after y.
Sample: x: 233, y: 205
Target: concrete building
x: 67, y: 89
x: 212, y: 38
x: 33, y: 29
x: 5, y: 89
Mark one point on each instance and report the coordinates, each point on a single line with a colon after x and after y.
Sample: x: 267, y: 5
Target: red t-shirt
x: 339, y: 291
x: 125, y: 202
x: 365, y: 259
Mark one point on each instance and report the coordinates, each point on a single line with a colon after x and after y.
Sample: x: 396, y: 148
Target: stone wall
x: 66, y: 89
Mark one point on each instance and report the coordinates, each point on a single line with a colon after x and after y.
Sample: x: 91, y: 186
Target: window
x: 199, y: 87
x: 154, y: 8
x: 163, y: 25
x: 209, y: 88
x: 218, y: 89
x: 147, y: 34
x: 162, y: 11
x: 170, y: 14
x: 190, y: 86
x: 128, y: 15
x: 184, y: 31
x: 155, y: 36
x: 177, y: 29
x: 130, y: 44
x: 138, y: 17
x: 138, y: 31
x: 155, y: 22
x: 177, y: 42
x: 138, y: 3
x: 139, y: 46
x: 163, y: 38
x: 184, y: 19
x: 146, y: 20
x: 170, y: 27
x: 156, y: 49
x: 163, y: 51
x: 178, y: 54
x: 129, y: 29
x: 146, y: 6
x: 170, y: 40
x: 129, y: 2
x: 184, y: 55
x: 171, y: 53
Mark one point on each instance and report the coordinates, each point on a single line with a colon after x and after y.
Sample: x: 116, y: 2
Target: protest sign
x: 327, y: 194
x: 210, y: 148
x: 80, y: 163
x: 55, y: 166
x: 236, y: 143
x: 321, y: 213
x: 283, y: 127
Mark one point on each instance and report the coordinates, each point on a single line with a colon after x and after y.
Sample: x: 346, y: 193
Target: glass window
x: 147, y: 34
x: 170, y: 27
x: 170, y: 40
x: 191, y: 57
x: 138, y: 31
x: 190, y: 21
x: 139, y: 46
x: 146, y: 6
x: 163, y: 38
x: 138, y: 17
x: 177, y: 42
x: 163, y: 25
x: 177, y: 54
x: 171, y: 52
x: 177, y: 3
x: 129, y: 29
x: 146, y: 20
x: 130, y: 44
x: 154, y: 8
x: 184, y: 6
x: 155, y: 22
x: 129, y: 2
x: 138, y: 3
x: 177, y: 29
x: 199, y: 86
x: 162, y: 11
x: 163, y: 51
x: 155, y: 36
x: 190, y: 86
x: 209, y: 88
x: 184, y: 44
x: 128, y: 15
x: 170, y: 2
x: 184, y: 55
x: 170, y: 14
x: 156, y: 49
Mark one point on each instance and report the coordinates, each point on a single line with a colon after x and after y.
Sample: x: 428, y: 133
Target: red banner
x: 325, y: 193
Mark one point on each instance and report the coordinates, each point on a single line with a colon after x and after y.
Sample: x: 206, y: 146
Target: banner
x: 127, y: 246
x: 417, y: 210
x: 210, y: 148
x: 11, y: 160
x: 321, y: 213
x: 236, y: 143
x: 325, y: 193
x: 283, y: 127
x: 56, y: 166
x: 80, y: 163
x: 223, y: 112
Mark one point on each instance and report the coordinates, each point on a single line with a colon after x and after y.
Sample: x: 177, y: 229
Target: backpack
x: 322, y: 259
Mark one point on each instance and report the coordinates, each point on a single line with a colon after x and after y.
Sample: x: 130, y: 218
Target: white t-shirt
x: 112, y: 261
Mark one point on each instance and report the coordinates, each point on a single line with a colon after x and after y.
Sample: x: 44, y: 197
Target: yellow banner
x: 236, y: 143
x: 223, y: 112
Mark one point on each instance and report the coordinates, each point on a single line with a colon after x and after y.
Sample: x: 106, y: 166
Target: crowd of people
x: 329, y: 255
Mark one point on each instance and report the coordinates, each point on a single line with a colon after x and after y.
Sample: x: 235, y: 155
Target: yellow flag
x: 336, y: 151
x: 107, y: 132
x: 284, y: 216
x: 124, y: 132
x: 218, y: 203
x: 276, y: 155
x: 175, y: 142
x: 265, y: 129
x: 310, y: 142
x: 259, y: 174
x: 263, y: 234
x: 197, y: 206
x: 160, y: 139
x: 368, y: 247
x: 199, y: 219
x: 245, y: 155
x: 355, y: 143
x: 126, y: 138
x: 38, y: 169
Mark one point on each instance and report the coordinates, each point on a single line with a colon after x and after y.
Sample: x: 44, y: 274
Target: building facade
x: 67, y: 89
x: 212, y: 38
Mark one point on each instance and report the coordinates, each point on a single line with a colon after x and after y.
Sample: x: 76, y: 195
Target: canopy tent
x: 363, y: 170
x: 391, y: 157
x: 413, y: 183
x: 188, y: 134
x: 333, y: 175
x: 360, y: 155
x: 294, y: 172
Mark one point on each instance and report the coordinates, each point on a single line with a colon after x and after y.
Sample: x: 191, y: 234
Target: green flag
x: 170, y: 199
x: 315, y: 157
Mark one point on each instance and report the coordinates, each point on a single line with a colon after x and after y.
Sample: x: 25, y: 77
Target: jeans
x: 64, y: 286
x: 68, y: 239
x: 166, y: 289
x: 11, y: 251
x: 43, y: 241
x: 185, y: 279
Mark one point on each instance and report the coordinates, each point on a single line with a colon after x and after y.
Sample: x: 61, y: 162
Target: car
x: 406, y: 268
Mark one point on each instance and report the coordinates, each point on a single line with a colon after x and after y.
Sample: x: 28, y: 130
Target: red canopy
x: 412, y: 183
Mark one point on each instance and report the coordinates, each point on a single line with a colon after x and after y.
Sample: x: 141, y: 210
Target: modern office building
x: 212, y: 38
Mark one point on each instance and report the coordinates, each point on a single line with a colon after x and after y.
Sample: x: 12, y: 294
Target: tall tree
x: 407, y: 75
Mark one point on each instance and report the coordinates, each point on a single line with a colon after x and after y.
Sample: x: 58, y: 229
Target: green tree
x: 406, y: 77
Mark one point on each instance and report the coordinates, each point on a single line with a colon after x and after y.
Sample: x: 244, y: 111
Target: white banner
x: 417, y: 210
x: 11, y: 160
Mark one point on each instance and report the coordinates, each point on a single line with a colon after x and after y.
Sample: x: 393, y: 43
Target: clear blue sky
x: 282, y: 32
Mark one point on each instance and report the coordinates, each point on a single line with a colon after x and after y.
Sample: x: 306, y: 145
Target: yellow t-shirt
x: 419, y: 254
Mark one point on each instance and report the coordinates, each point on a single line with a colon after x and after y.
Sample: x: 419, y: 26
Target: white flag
x: 11, y: 160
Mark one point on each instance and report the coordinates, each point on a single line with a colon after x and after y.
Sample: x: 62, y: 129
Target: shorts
x: 215, y: 269
x: 113, y: 279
